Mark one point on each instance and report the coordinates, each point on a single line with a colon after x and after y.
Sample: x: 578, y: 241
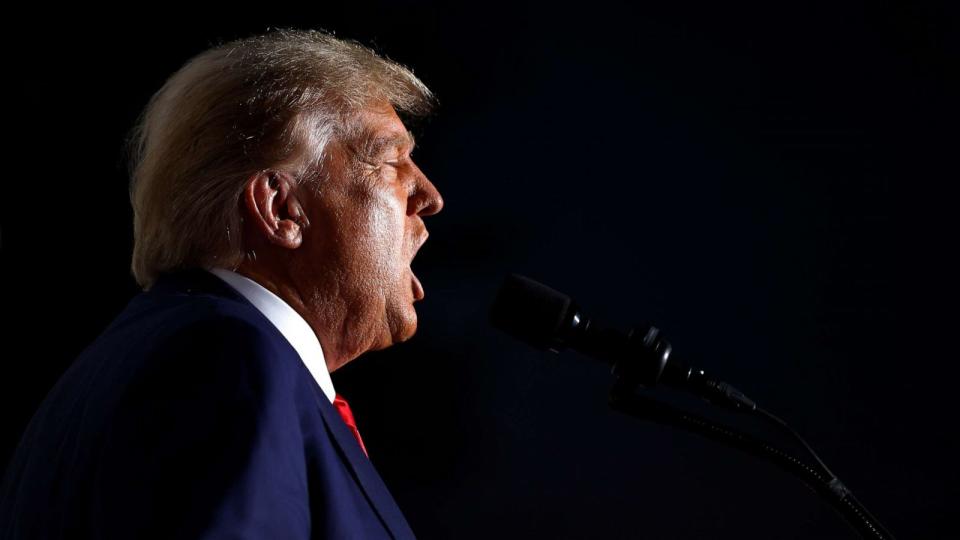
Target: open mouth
x: 415, y: 284
x: 418, y: 293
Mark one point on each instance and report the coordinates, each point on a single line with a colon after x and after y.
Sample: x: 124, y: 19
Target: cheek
x: 378, y: 228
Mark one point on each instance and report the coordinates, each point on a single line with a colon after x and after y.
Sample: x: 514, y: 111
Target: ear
x: 273, y: 210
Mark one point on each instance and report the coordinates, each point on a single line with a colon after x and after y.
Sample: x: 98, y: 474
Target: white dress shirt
x: 288, y: 322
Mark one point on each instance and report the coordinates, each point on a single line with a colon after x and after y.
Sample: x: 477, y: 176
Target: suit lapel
x: 367, y: 477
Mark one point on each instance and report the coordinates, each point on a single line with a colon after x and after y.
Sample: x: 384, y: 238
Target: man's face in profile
x: 366, y: 227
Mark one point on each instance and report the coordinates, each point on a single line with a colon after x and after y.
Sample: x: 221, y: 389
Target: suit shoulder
x: 212, y: 341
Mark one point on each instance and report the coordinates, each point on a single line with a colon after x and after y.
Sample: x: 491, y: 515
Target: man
x: 276, y: 212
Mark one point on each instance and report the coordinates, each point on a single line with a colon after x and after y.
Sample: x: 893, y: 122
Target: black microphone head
x: 532, y: 312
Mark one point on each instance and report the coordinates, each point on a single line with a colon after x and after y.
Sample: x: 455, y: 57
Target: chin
x: 408, y: 325
x: 398, y: 336
x: 400, y: 325
x: 408, y: 332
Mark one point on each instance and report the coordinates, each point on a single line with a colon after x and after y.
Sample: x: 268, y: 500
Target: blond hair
x: 269, y: 101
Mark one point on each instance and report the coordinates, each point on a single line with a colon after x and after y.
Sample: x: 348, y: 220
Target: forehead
x: 380, y: 128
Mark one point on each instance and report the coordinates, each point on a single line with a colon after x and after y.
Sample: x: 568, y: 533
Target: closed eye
x: 409, y: 155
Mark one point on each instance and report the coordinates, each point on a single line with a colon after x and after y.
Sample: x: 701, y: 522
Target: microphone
x: 550, y: 320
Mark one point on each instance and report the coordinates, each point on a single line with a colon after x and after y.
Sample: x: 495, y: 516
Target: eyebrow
x: 374, y: 146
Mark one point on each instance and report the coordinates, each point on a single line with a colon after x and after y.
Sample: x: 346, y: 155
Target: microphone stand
x: 642, y: 357
x: 623, y: 398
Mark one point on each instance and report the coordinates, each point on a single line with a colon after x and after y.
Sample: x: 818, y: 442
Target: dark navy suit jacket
x: 192, y: 417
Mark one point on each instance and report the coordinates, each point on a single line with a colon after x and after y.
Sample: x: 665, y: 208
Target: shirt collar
x: 293, y: 327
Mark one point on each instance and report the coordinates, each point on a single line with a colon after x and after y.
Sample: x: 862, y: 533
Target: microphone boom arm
x: 625, y: 400
x: 641, y: 357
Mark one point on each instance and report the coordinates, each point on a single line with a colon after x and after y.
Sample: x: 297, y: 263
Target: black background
x: 771, y: 183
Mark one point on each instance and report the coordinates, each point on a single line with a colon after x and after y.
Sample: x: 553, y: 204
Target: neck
x: 283, y: 285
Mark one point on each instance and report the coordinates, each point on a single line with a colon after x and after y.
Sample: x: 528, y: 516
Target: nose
x: 425, y: 199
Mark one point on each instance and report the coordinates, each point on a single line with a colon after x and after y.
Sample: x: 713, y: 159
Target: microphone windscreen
x: 530, y: 311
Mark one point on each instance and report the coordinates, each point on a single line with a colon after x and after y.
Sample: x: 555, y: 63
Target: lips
x: 418, y: 293
x: 415, y: 284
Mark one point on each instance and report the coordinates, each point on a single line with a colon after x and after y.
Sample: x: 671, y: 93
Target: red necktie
x: 344, y: 409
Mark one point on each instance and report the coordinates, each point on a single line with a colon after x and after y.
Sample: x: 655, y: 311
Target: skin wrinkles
x: 347, y: 272
x: 373, y: 147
